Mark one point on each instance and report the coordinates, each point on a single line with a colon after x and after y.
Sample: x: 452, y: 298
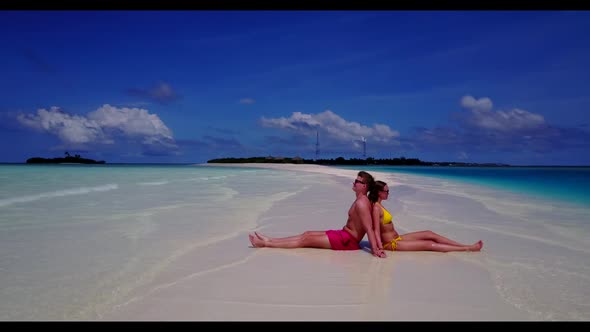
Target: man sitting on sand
x: 348, y: 238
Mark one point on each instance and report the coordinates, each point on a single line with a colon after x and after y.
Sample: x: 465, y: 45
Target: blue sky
x: 188, y: 86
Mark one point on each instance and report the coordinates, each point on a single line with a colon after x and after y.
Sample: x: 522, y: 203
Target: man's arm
x: 363, y: 209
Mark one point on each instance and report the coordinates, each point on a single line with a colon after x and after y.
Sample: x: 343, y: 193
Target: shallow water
x: 78, y: 240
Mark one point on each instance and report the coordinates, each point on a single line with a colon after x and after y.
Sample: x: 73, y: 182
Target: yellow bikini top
x: 386, y: 216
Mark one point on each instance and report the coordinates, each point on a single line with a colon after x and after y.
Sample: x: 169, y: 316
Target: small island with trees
x: 68, y: 159
x: 402, y: 161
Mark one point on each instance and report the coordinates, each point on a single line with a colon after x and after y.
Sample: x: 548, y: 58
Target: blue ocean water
x: 567, y: 184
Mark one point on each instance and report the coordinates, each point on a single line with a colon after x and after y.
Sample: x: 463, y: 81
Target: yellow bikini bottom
x: 394, y: 242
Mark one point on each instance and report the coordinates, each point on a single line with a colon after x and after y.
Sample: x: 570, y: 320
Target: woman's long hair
x: 375, y: 189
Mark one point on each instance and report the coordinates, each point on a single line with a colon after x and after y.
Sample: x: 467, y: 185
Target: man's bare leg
x: 295, y: 237
x: 308, y: 239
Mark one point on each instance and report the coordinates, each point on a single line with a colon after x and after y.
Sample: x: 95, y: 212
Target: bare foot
x: 476, y: 246
x: 262, y: 237
x: 256, y: 242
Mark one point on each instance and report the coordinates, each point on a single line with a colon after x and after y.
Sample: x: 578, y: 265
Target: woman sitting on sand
x: 415, y: 241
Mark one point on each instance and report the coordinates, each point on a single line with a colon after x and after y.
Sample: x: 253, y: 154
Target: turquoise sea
x: 567, y: 184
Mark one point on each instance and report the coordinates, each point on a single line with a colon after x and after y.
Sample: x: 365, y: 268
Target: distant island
x: 402, y: 161
x: 76, y: 159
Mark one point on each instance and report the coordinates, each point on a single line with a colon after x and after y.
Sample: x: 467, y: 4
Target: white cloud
x: 71, y: 129
x: 103, y: 126
x: 332, y: 124
x: 480, y: 105
x: 482, y: 116
x: 132, y: 122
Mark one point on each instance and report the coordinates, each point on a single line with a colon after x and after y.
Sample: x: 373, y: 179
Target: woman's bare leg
x: 432, y: 236
x: 308, y: 239
x: 429, y: 245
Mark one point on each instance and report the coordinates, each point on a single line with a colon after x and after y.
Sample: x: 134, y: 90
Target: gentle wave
x: 58, y: 193
x: 207, y: 178
x: 155, y: 183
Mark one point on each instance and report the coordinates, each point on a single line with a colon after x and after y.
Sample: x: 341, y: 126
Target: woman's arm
x: 377, y: 215
x: 364, y: 212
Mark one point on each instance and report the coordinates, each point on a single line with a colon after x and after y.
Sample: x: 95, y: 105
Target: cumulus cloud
x: 332, y: 125
x: 479, y: 105
x: 71, y: 129
x: 482, y: 129
x: 161, y: 93
x: 514, y: 120
x: 106, y: 125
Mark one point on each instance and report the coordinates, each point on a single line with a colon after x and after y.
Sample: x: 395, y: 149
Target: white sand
x: 231, y: 281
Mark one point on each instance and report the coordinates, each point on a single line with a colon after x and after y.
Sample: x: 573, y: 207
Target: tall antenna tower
x: 317, y: 145
x: 364, y: 146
